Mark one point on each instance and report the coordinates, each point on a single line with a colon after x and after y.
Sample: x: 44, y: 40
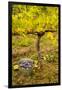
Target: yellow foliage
x: 54, y: 41
x: 39, y: 29
x: 50, y: 35
x: 38, y: 18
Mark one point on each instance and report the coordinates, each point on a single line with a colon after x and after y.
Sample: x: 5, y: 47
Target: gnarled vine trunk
x: 39, y: 35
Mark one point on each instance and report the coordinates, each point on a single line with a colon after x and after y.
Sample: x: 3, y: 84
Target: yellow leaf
x: 16, y: 67
x: 44, y: 58
x: 36, y: 65
x: 36, y: 62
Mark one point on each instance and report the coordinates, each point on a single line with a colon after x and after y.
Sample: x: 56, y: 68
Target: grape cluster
x: 26, y: 63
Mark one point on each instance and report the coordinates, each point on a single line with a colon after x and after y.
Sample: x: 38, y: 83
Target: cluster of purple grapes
x: 26, y: 63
